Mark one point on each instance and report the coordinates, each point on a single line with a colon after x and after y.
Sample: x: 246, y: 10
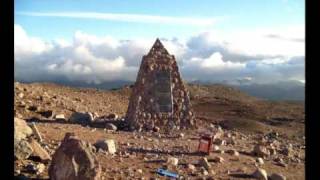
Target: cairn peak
x: 157, y: 48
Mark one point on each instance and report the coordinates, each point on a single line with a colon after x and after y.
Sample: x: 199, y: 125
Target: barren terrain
x: 237, y: 116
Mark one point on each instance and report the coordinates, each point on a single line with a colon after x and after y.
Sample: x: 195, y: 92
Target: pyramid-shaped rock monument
x: 159, y: 97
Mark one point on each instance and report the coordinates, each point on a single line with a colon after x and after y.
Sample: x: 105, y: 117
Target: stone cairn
x: 159, y: 97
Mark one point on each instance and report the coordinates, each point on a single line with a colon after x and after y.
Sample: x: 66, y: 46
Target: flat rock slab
x: 38, y: 151
x: 73, y: 160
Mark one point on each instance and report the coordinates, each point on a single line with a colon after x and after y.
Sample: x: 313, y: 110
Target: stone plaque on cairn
x: 159, y: 97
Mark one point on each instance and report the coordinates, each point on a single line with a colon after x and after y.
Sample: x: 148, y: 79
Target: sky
x: 100, y: 41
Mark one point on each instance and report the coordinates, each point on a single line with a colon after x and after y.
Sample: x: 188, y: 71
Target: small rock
x: 112, y: 116
x: 82, y: 118
x: 40, y: 168
x: 233, y: 152
x: 219, y: 142
x: 204, y: 171
x: 21, y: 95
x: 60, y: 117
x: 231, y: 141
x: 204, y: 163
x: 260, y: 174
x: 212, y: 172
x: 218, y: 159
x: 181, y: 135
x: 110, y: 126
x: 278, y: 159
x: 139, y: 171
x: 22, y: 149
x: 260, y: 151
x: 260, y: 161
x: 227, y: 135
x: 107, y: 145
x: 172, y: 161
x: 156, y: 129
x: 215, y: 148
x: 220, y: 151
x: 17, y: 171
x: 272, y: 151
x: 191, y: 167
x: 276, y: 176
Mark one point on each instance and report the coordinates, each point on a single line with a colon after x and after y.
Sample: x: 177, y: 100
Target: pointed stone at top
x: 158, y: 47
x: 158, y: 44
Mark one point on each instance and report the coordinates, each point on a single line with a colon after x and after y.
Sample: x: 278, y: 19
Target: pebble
x: 260, y: 161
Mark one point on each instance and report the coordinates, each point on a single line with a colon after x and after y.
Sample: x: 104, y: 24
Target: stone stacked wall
x: 143, y: 110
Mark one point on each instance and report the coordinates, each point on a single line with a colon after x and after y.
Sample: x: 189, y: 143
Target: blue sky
x: 96, y: 41
x: 230, y: 15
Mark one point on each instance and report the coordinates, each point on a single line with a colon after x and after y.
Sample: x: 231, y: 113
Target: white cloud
x: 215, y: 62
x: 140, y: 18
x: 23, y: 44
x: 205, y: 56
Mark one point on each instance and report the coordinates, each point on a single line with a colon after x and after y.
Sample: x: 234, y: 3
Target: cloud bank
x: 206, y: 56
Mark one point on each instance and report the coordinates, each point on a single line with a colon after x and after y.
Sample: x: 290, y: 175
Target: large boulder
x: 22, y: 149
x: 82, y: 118
x: 21, y: 129
x: 73, y: 160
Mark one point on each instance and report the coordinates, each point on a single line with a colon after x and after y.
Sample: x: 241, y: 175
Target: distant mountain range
x: 288, y: 90
x: 281, y: 90
x: 284, y: 90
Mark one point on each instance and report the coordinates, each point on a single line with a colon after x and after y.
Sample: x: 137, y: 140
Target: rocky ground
x: 253, y: 138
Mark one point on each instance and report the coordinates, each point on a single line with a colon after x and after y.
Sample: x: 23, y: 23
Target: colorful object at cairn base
x: 205, y: 143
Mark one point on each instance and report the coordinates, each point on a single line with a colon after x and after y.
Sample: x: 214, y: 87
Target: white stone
x: 60, y: 117
x: 260, y: 161
x: 107, y: 145
x: 172, y: 161
x: 215, y: 148
x: 40, y: 168
x: 110, y: 126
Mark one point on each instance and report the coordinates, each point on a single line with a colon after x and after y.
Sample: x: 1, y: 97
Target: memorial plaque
x: 163, y: 91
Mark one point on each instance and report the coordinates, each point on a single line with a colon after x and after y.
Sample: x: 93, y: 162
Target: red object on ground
x: 205, y: 143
